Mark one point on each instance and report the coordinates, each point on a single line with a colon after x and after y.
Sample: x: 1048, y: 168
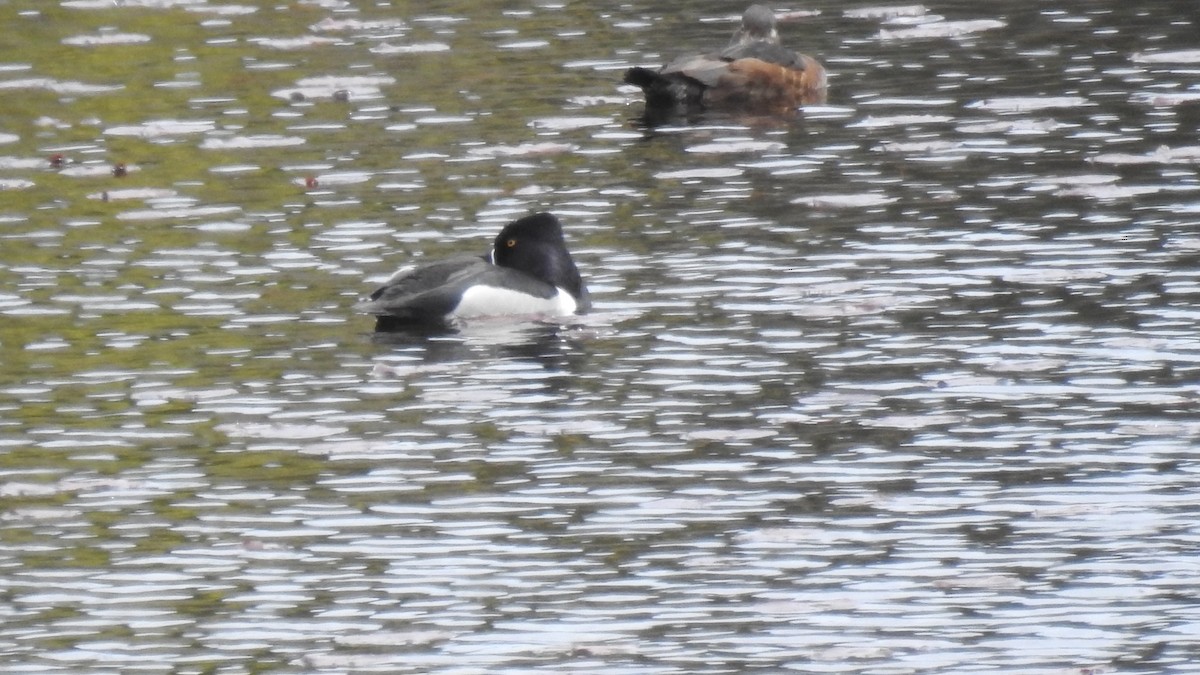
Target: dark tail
x: 666, y: 91
x: 641, y: 77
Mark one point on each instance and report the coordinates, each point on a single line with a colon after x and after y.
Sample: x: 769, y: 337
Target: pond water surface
x: 907, y: 384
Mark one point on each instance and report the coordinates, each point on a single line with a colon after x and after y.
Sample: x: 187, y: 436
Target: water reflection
x: 901, y: 385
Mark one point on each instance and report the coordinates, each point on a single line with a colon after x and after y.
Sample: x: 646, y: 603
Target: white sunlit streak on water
x: 902, y: 386
x: 462, y: 571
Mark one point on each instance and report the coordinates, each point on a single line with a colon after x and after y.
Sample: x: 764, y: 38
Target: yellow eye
x: 511, y: 243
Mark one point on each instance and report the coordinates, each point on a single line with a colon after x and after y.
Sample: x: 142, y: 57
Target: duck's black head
x: 535, y: 245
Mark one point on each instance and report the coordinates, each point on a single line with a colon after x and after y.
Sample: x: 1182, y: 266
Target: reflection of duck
x: 754, y: 73
x: 528, y: 272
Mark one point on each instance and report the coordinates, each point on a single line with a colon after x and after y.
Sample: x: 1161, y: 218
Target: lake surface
x: 907, y: 384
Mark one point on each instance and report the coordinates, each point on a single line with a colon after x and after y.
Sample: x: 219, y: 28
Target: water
x: 905, y: 385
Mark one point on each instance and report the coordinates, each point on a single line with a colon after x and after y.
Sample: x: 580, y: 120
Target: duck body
x: 754, y: 73
x: 528, y: 272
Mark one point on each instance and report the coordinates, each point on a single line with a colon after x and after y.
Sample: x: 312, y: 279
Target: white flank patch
x: 491, y: 301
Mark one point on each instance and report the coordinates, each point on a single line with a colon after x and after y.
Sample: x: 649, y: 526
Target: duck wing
x: 705, y: 69
x: 432, y: 292
x: 427, y: 292
x: 763, y: 50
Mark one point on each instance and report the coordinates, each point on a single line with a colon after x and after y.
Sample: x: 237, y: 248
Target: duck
x: 754, y: 73
x: 528, y: 272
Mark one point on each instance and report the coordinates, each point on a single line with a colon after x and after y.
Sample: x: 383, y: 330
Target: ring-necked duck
x: 754, y: 73
x: 527, y: 272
